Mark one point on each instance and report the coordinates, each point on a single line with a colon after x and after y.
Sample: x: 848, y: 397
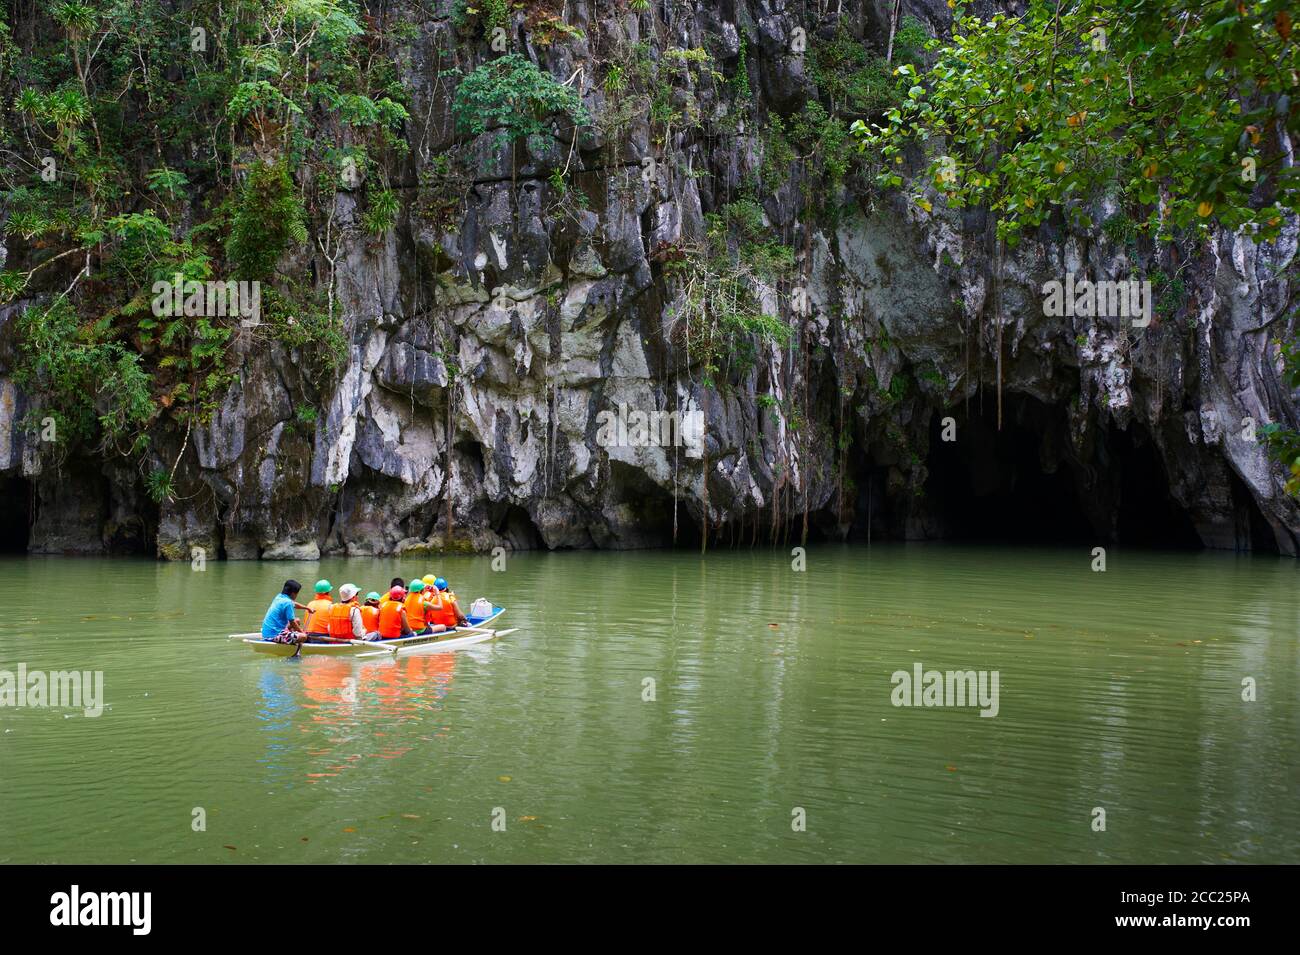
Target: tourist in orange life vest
x: 448, y: 611
x: 392, y: 616
x: 344, y: 617
x: 370, y: 615
x: 399, y: 583
x: 317, y: 622
x: 432, y: 607
x: 439, y: 610
x: 417, y: 608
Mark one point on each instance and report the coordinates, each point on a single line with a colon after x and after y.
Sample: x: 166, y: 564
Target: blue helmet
x: 441, y: 583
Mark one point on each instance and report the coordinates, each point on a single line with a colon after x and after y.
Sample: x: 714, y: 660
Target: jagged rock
x: 479, y: 356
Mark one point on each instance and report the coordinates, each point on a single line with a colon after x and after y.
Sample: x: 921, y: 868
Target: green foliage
x: 382, y: 214
x: 719, y: 316
x: 158, y: 484
x: 1283, y: 442
x: 495, y: 13
x: 299, y: 322
x: 821, y: 143
x: 615, y: 80
x: 1120, y: 229
x: 1167, y: 105
x: 489, y: 14
x: 817, y: 140
x: 911, y: 41
x: 1169, y: 294
x: 259, y: 97
x: 166, y: 180
x: 268, y: 219
x: 149, y: 141
x: 441, y: 194
x: 778, y: 153
x: 512, y: 93
x: 854, y: 81
x: 12, y: 284
x: 745, y: 216
x: 740, y: 79
x: 90, y: 379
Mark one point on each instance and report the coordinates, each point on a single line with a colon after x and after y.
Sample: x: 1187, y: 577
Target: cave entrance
x: 518, y: 530
x: 1007, y: 485
x: 1147, y: 516
x: 648, y: 511
x: 1024, y: 484
x: 16, y: 515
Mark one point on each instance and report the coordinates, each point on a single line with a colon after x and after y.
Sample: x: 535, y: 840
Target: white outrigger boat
x: 454, y: 639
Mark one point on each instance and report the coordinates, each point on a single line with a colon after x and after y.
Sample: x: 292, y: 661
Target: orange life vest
x: 317, y: 620
x: 340, y: 621
x: 370, y: 618
x: 390, y: 620
x: 415, y: 611
x: 444, y: 611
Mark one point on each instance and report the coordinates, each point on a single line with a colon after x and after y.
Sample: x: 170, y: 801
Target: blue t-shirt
x: 277, y: 617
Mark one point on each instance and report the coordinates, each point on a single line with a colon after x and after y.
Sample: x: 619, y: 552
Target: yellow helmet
x: 429, y: 579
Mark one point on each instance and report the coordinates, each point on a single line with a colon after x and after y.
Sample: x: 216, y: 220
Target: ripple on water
x: 667, y: 707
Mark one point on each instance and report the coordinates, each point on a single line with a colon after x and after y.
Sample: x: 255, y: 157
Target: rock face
x: 484, y: 347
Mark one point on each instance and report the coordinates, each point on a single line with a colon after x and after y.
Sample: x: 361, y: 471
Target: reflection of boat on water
x: 353, y: 712
x: 334, y: 686
x: 454, y: 639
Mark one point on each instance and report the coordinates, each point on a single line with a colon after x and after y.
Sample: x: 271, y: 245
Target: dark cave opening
x: 518, y: 529
x: 652, y: 511
x: 1148, y: 515
x: 1022, y: 484
x: 16, y: 515
x: 1257, y: 531
x: 988, y: 484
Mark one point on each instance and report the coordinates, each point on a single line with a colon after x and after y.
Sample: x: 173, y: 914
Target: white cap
x: 347, y: 592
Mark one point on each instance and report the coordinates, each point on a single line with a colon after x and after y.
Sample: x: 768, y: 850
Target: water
x: 1120, y: 690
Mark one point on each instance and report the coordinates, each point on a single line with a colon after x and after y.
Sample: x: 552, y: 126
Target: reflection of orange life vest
x: 444, y: 611
x: 340, y: 620
x: 370, y: 618
x: 390, y: 620
x: 318, y: 616
x: 415, y: 611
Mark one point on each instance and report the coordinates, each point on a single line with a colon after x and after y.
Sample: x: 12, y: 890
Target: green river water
x: 772, y: 694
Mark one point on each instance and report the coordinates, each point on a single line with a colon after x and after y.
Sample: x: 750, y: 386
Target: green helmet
x: 416, y: 585
x: 372, y: 596
x: 323, y: 586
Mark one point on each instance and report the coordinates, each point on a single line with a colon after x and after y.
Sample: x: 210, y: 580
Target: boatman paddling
x: 280, y: 625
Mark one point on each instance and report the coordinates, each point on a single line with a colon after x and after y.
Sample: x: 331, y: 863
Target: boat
x: 476, y: 632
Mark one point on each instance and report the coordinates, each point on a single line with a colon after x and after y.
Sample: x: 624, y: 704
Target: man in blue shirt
x: 280, y: 624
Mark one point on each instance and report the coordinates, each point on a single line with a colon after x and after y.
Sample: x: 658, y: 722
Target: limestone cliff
x: 511, y: 305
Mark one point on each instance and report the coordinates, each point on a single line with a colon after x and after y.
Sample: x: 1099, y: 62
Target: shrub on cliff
x: 512, y: 93
x: 268, y: 218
